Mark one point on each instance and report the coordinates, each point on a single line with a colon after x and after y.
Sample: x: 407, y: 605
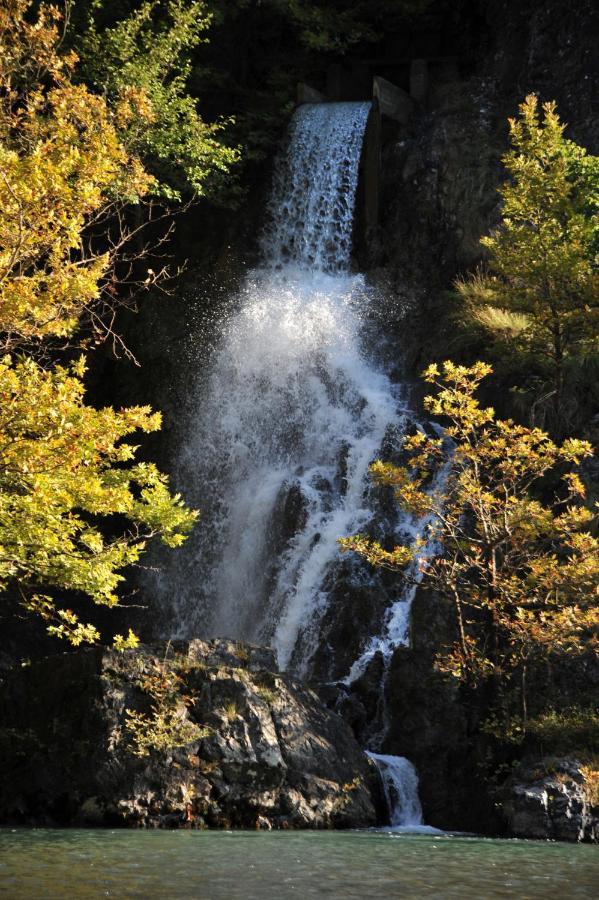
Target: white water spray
x: 293, y: 414
x: 293, y: 407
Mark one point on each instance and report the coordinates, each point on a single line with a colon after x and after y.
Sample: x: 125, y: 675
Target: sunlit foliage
x: 64, y: 466
x: 166, y: 725
x: 142, y: 65
x: 62, y: 167
x: 542, y: 288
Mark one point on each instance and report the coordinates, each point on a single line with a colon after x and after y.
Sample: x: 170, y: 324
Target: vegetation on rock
x: 166, y: 726
x: 178, y: 762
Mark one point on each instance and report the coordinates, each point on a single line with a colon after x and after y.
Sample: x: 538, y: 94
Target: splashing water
x: 292, y: 416
x: 293, y: 413
x: 400, y: 786
x: 296, y: 415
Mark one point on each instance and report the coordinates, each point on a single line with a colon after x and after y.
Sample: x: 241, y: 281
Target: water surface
x: 45, y: 863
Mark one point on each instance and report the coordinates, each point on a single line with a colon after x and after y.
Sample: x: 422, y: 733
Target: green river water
x: 45, y: 863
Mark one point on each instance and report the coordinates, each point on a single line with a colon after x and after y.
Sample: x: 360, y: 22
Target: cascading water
x: 296, y: 415
x: 293, y: 414
x: 314, y: 191
x: 400, y: 784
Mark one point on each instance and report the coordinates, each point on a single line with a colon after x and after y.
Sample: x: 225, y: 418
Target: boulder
x: 238, y: 745
x: 551, y: 800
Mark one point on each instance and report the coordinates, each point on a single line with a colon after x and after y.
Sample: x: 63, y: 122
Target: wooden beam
x: 307, y: 94
x: 372, y: 169
x: 392, y: 100
x: 390, y: 62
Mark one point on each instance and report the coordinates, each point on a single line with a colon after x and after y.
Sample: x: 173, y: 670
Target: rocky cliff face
x: 227, y: 742
x: 440, y: 172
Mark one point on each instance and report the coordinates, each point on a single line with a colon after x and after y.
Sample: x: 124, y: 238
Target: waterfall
x: 400, y: 784
x: 294, y: 411
x: 395, y: 631
x: 314, y: 192
x: 296, y: 414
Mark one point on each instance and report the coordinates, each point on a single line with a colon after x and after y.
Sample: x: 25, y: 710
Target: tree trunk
x: 558, y: 361
x: 524, y: 701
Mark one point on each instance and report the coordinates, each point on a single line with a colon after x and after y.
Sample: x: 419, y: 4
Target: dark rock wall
x: 440, y: 172
x: 437, y: 726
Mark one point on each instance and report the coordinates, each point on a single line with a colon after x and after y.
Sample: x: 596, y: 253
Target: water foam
x: 293, y: 413
x: 314, y: 192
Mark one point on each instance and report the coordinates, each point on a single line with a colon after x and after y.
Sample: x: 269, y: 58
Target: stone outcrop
x: 551, y: 800
x: 261, y: 750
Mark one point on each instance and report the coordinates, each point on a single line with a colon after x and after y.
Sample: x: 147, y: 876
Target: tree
x: 542, y: 288
x: 64, y: 467
x: 65, y: 180
x: 66, y: 472
x: 522, y: 574
x: 142, y: 64
x: 339, y: 25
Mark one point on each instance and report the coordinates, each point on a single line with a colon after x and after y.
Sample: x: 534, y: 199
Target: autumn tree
x: 521, y: 573
x: 66, y: 470
x: 541, y: 290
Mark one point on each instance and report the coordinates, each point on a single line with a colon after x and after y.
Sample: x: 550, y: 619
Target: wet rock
x: 355, y: 714
x: 289, y: 515
x: 356, y: 602
x: 341, y: 474
x: 262, y: 750
x: 550, y: 800
x: 232, y: 653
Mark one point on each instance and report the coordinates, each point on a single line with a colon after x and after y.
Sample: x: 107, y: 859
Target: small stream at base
x: 400, y: 784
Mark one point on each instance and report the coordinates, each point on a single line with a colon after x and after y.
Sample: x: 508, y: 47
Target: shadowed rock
x: 550, y: 800
x: 264, y: 753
